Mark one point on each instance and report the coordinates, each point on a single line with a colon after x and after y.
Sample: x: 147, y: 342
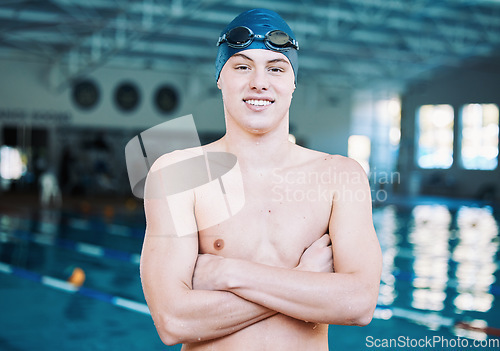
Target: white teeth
x: 258, y: 102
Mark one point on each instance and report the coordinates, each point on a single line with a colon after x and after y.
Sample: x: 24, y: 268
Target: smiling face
x: 257, y: 87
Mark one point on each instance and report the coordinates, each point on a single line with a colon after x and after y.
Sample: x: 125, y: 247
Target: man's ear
x: 218, y: 83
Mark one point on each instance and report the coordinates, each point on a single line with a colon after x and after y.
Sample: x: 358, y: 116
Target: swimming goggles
x: 241, y: 37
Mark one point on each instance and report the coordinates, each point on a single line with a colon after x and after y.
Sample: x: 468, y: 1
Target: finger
x: 321, y: 241
x: 324, y: 240
x: 329, y: 239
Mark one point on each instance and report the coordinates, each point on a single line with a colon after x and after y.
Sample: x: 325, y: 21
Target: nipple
x: 219, y: 244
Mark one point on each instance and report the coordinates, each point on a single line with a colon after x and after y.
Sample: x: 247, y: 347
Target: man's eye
x: 276, y: 69
x: 242, y: 68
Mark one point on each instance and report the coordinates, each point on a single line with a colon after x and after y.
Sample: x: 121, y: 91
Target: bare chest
x: 263, y: 219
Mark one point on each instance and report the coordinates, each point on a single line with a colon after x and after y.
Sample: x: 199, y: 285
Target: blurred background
x: 410, y: 89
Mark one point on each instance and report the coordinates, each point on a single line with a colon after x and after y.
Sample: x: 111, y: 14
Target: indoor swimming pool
x: 440, y: 280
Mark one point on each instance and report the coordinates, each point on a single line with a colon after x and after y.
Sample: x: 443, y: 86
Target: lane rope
x: 80, y: 247
x: 63, y: 285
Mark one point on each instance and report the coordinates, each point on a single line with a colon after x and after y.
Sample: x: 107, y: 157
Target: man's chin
x: 259, y: 128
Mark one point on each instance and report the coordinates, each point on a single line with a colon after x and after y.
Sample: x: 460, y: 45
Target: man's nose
x: 259, y: 80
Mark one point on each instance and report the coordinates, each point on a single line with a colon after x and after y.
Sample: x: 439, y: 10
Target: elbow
x: 366, y: 304
x: 167, y: 334
x: 364, y: 314
x: 170, y: 330
x: 168, y: 338
x: 363, y: 320
x: 358, y: 319
x: 358, y: 312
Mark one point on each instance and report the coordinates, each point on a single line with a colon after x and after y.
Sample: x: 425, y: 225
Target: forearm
x: 204, y: 315
x: 332, y: 298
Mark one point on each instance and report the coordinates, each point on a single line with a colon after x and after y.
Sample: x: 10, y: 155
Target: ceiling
x: 345, y: 44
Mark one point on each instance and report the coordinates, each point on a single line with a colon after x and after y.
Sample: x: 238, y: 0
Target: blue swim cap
x: 260, y: 21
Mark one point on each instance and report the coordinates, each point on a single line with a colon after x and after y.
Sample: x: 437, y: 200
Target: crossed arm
x: 194, y: 298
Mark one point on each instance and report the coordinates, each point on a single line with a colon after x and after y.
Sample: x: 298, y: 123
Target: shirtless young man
x: 267, y: 278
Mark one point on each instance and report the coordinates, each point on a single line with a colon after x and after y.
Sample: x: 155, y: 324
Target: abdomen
x: 276, y: 333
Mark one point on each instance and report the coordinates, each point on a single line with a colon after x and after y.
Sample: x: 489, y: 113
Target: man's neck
x: 258, y: 152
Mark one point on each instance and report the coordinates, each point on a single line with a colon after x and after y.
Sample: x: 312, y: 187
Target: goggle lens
x: 239, y: 36
x: 278, y: 38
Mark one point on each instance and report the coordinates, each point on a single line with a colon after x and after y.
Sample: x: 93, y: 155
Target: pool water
x: 441, y: 262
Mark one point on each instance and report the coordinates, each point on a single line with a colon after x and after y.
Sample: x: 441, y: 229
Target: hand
x: 207, y: 272
x: 318, y: 257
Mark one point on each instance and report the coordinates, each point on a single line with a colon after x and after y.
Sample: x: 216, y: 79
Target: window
x: 358, y: 148
x: 435, y: 140
x: 12, y: 165
x: 479, y: 136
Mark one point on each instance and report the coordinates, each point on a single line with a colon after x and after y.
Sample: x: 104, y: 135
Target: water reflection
x: 430, y: 239
x: 475, y: 254
x: 22, y: 232
x: 386, y: 227
x: 49, y: 222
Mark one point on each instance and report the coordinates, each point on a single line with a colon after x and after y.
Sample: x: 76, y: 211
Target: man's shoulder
x: 341, y: 169
x: 346, y: 164
x: 176, y: 156
x: 329, y: 161
x: 170, y: 174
